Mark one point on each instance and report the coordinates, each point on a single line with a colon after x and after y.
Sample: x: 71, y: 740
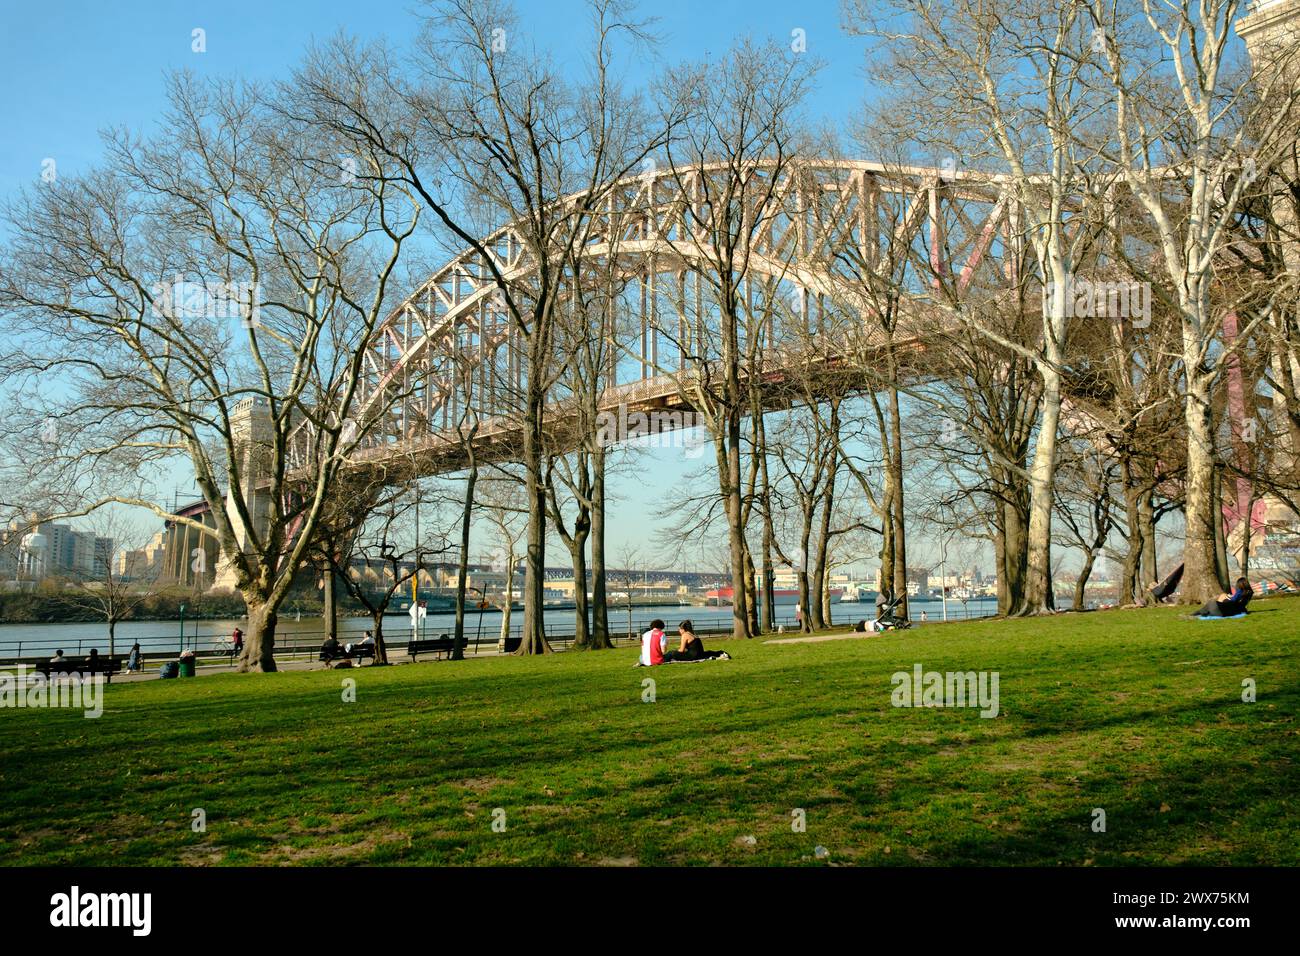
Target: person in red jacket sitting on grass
x: 653, y: 643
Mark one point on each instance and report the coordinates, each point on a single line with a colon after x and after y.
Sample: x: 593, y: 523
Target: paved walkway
x: 397, y: 657
x: 818, y: 638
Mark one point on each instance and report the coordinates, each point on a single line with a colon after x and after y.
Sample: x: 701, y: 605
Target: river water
x: 36, y: 640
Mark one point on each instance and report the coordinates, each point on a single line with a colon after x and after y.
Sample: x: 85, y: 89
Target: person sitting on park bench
x: 1229, y: 605
x: 330, y: 649
x: 58, y: 658
x: 367, y: 641
x: 692, y: 648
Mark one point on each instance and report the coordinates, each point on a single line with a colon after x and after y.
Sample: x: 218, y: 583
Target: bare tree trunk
x: 600, y: 639
x: 259, y: 642
x: 727, y: 447
x: 1000, y: 560
x: 887, y: 550
x: 805, y: 596
x: 581, y: 620
x: 768, y: 623
x: 751, y: 590
x: 815, y: 616
x: 1201, y: 578
x: 821, y: 610
x: 1220, y: 535
x: 1131, y: 589
x: 377, y: 622
x: 578, y: 557
x: 1014, y: 556
x: 894, y: 464
x: 1245, y: 538
x: 508, y: 607
x: 329, y: 602
x: 769, y: 576
x: 1147, y: 524
x: 533, y: 633
x: 462, y: 564
x: 1039, y: 597
x: 1082, y: 583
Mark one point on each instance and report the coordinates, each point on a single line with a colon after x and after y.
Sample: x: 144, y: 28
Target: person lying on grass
x: 1229, y: 605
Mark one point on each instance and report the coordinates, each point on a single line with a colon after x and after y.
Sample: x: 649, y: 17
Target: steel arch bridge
x: 820, y: 232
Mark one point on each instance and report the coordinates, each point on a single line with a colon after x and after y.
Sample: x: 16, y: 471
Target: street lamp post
x: 182, y: 650
x: 943, y: 575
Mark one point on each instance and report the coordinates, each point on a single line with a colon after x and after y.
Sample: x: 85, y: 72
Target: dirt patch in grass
x: 201, y: 855
x: 365, y: 846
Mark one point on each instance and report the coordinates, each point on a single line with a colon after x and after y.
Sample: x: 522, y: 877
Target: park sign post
x: 418, y: 611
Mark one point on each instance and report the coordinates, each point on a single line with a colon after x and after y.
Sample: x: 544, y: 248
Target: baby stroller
x: 888, y: 617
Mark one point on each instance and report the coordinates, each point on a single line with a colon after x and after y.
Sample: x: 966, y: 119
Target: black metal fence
x: 305, y: 645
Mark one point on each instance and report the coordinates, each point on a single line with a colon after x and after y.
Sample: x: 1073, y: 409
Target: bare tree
x: 121, y: 577
x: 504, y: 503
x: 1188, y: 132
x: 386, y: 532
x: 201, y: 295
x: 1004, y: 80
x: 733, y: 156
x: 490, y: 133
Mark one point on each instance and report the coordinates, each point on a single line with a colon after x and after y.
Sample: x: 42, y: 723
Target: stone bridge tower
x: 1271, y: 32
x: 252, y: 431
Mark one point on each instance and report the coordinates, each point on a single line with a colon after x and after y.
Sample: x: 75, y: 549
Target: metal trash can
x: 169, y: 670
x: 186, y: 666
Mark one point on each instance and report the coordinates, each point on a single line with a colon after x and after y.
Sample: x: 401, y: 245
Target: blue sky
x: 71, y: 69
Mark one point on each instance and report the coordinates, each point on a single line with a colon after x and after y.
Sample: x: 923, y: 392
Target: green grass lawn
x: 1135, y: 712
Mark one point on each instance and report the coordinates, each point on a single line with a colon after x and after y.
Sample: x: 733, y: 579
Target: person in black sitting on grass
x: 1229, y: 605
x: 691, y: 647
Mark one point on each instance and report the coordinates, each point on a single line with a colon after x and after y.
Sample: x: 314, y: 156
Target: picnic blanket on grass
x: 725, y: 657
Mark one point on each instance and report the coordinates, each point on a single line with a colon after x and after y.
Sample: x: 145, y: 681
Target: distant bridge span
x: 451, y: 343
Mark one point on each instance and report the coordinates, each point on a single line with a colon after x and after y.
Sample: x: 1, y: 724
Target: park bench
x: 509, y: 645
x: 436, y: 645
x: 359, y: 652
x: 107, y: 666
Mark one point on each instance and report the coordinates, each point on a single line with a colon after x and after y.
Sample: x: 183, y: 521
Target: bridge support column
x: 252, y: 431
x: 1271, y: 32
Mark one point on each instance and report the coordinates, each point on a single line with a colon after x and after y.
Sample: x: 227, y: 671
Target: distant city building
x: 145, y: 563
x: 918, y: 579
x: 33, y: 549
